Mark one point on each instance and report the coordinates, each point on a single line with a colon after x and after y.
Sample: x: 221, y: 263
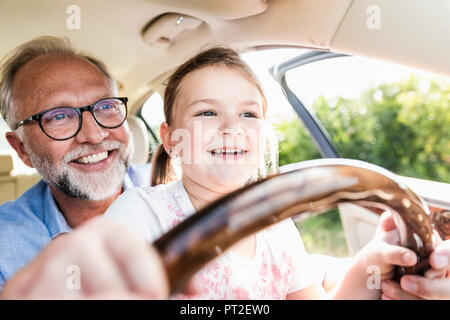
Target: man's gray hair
x: 16, y: 59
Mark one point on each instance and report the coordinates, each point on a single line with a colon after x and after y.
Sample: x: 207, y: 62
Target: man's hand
x: 434, y: 285
x: 100, y: 260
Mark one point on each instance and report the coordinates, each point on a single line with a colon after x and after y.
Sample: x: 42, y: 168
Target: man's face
x: 90, y: 165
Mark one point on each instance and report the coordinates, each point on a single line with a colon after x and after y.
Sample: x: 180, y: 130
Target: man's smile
x: 93, y: 158
x: 97, y: 160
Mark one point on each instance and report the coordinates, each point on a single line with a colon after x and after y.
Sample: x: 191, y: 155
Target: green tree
x: 401, y: 126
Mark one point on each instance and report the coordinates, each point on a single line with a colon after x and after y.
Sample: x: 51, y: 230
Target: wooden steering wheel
x: 316, y: 185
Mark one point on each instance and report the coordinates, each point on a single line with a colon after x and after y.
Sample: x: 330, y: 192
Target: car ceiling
x: 412, y: 32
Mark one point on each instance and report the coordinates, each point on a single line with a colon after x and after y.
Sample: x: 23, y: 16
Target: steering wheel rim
x: 315, y: 185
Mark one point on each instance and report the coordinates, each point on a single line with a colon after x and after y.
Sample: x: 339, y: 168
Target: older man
x: 68, y: 122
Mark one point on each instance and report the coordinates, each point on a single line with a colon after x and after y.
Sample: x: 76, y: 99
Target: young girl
x: 216, y: 130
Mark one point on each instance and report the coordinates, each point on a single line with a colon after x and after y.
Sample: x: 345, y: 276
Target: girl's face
x: 218, y: 123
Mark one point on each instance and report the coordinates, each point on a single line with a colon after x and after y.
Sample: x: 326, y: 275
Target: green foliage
x: 323, y: 234
x: 401, y: 126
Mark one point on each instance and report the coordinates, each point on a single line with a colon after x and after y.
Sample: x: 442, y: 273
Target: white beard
x: 94, y: 186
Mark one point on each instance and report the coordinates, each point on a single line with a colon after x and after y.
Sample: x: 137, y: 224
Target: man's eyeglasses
x: 62, y: 123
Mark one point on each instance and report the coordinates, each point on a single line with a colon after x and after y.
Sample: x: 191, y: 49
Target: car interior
x: 142, y: 41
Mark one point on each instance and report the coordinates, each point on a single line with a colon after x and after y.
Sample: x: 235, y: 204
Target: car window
x: 3, y: 129
x: 379, y: 112
x: 18, y: 166
x: 152, y: 112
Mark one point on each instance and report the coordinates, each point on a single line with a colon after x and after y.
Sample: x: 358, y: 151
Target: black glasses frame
x: 80, y: 110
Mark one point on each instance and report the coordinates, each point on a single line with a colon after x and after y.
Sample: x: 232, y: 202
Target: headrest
x: 6, y: 164
x: 140, y: 139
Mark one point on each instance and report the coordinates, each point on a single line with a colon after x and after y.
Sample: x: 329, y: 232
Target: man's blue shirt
x: 30, y: 222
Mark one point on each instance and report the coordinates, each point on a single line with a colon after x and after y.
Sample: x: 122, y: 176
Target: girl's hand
x: 384, y: 252
x: 374, y: 264
x: 434, y: 285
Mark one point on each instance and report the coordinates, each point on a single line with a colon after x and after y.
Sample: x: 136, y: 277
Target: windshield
x: 379, y: 112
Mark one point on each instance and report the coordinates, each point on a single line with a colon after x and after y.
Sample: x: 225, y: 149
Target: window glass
x: 4, y: 129
x: 380, y: 112
x: 18, y: 166
x: 153, y: 112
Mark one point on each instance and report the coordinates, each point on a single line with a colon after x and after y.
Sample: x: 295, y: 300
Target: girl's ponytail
x: 162, y: 170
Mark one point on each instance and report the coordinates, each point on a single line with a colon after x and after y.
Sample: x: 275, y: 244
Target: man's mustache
x: 84, y: 150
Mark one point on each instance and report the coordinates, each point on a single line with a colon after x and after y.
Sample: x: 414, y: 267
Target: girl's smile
x: 228, y: 153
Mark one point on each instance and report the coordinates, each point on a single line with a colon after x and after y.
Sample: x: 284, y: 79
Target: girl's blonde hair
x: 162, y: 169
